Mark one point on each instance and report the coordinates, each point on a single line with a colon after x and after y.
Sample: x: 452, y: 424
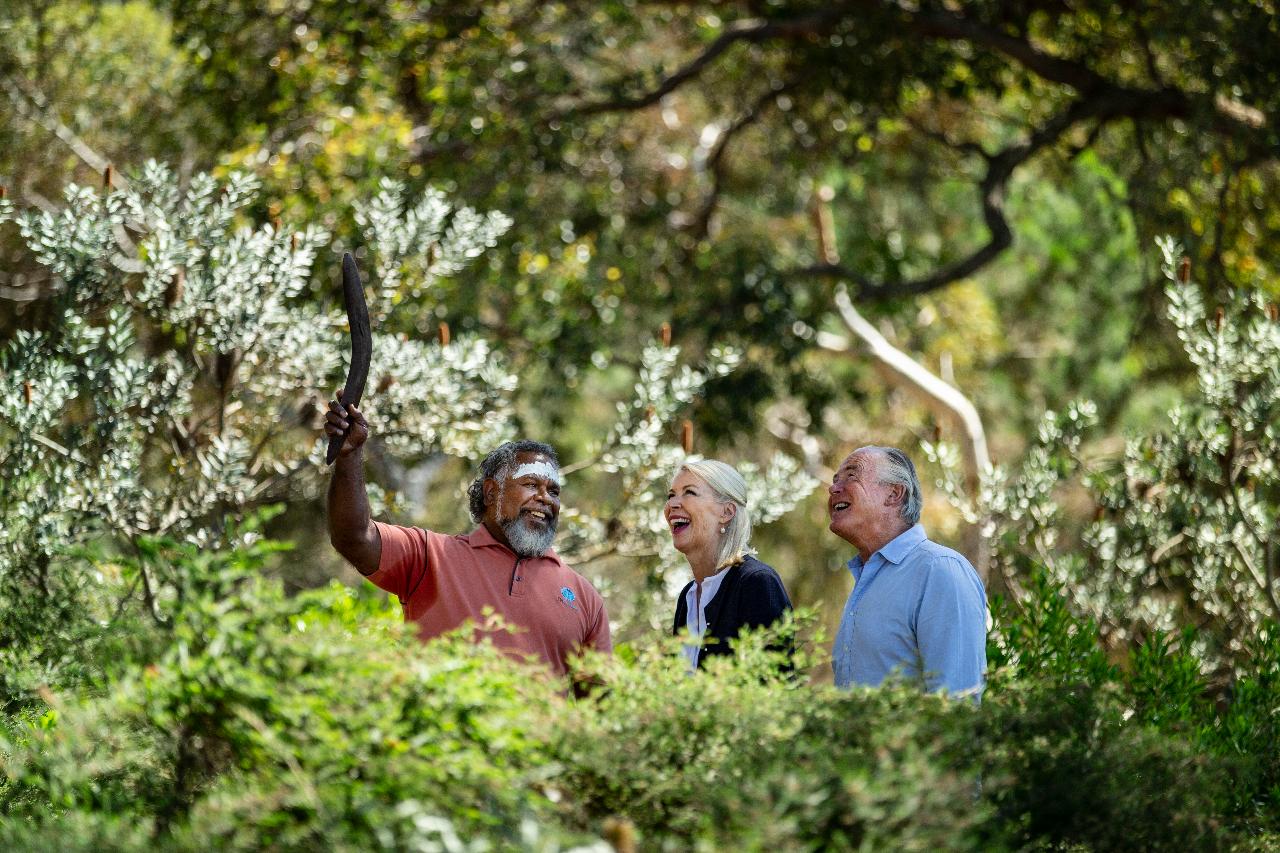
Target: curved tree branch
x: 1098, y: 99
x: 953, y: 26
x: 715, y: 160
x: 1168, y: 102
x: 944, y: 25
x: 991, y: 190
x: 991, y: 193
x: 748, y: 30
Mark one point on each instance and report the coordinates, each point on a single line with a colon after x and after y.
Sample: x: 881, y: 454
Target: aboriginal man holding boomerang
x: 506, y: 563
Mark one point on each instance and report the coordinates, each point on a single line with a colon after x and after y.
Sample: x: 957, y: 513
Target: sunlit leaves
x: 183, y: 381
x: 421, y: 241
x: 1186, y: 522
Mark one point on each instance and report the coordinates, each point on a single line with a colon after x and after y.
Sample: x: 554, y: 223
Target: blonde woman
x: 711, y: 525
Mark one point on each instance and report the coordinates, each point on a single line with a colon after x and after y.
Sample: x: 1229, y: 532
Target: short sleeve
x: 951, y: 627
x: 599, y: 636
x: 404, y: 559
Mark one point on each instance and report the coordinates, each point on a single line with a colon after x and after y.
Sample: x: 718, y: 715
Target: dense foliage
x: 983, y: 179
x: 263, y: 720
x: 1187, y: 518
x: 161, y: 691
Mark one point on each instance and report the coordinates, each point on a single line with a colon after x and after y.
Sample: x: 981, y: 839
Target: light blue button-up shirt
x: 917, y: 610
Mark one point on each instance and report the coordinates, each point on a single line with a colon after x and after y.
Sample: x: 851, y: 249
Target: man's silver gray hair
x: 727, y: 486
x: 896, y: 469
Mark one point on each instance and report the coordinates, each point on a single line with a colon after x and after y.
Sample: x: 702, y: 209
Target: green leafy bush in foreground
x: 1047, y: 656
x: 291, y: 723
x: 260, y: 721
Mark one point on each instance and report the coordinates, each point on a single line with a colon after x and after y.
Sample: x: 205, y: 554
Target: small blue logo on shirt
x: 567, y: 596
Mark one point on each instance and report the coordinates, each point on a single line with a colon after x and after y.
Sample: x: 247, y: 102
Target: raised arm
x: 351, y: 528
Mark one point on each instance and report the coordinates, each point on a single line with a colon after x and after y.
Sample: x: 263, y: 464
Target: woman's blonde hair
x: 728, y: 487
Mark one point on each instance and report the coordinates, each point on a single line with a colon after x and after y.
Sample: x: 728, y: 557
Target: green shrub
x: 1038, y: 637
x: 292, y: 723
x: 1248, y: 733
x: 744, y: 757
x: 1160, y: 716
x: 1237, y: 721
x: 1062, y: 766
x: 252, y: 720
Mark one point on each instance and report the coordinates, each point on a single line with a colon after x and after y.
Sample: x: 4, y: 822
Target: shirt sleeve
x: 598, y: 636
x: 404, y: 559
x: 951, y: 627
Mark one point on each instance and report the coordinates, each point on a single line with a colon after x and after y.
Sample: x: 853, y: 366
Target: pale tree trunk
x: 946, y: 402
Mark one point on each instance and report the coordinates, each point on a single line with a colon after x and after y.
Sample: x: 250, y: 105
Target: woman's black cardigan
x: 750, y: 596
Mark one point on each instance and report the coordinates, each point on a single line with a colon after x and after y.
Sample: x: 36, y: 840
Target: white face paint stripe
x: 545, y: 470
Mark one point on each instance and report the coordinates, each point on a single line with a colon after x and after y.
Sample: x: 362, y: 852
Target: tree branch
x: 1165, y: 102
x: 955, y: 27
x: 1098, y: 99
x: 715, y: 160
x: 33, y: 106
x: 953, y: 403
x: 748, y: 30
x: 991, y: 189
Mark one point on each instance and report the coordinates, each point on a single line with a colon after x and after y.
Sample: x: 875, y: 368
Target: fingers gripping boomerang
x: 361, y: 346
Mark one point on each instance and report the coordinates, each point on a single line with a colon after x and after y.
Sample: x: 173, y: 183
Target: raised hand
x: 338, y: 419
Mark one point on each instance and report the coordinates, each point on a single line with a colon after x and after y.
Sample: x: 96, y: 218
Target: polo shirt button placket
x: 516, y: 578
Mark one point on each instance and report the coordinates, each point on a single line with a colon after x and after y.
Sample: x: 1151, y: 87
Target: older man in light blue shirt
x: 917, y: 610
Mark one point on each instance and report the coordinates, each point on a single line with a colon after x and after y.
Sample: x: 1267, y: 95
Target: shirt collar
x: 482, y: 538
x: 711, y: 585
x: 894, y: 551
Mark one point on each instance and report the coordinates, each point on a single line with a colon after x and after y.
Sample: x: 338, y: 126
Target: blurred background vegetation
x: 993, y: 178
x: 984, y: 182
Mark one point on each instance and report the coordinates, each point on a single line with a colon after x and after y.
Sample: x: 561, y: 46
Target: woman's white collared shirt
x: 696, y: 601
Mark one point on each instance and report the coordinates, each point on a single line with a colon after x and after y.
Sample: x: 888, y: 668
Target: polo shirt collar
x: 903, y: 544
x: 894, y: 551
x: 482, y: 538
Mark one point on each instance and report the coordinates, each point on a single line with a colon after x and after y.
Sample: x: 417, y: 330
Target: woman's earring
x: 722, y: 528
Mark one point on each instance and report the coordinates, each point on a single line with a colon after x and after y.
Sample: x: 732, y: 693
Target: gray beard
x: 526, y: 542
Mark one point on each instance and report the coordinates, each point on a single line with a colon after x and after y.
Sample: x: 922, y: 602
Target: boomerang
x: 361, y: 347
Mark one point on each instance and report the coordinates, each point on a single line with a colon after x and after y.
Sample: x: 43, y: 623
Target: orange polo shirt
x: 443, y: 581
